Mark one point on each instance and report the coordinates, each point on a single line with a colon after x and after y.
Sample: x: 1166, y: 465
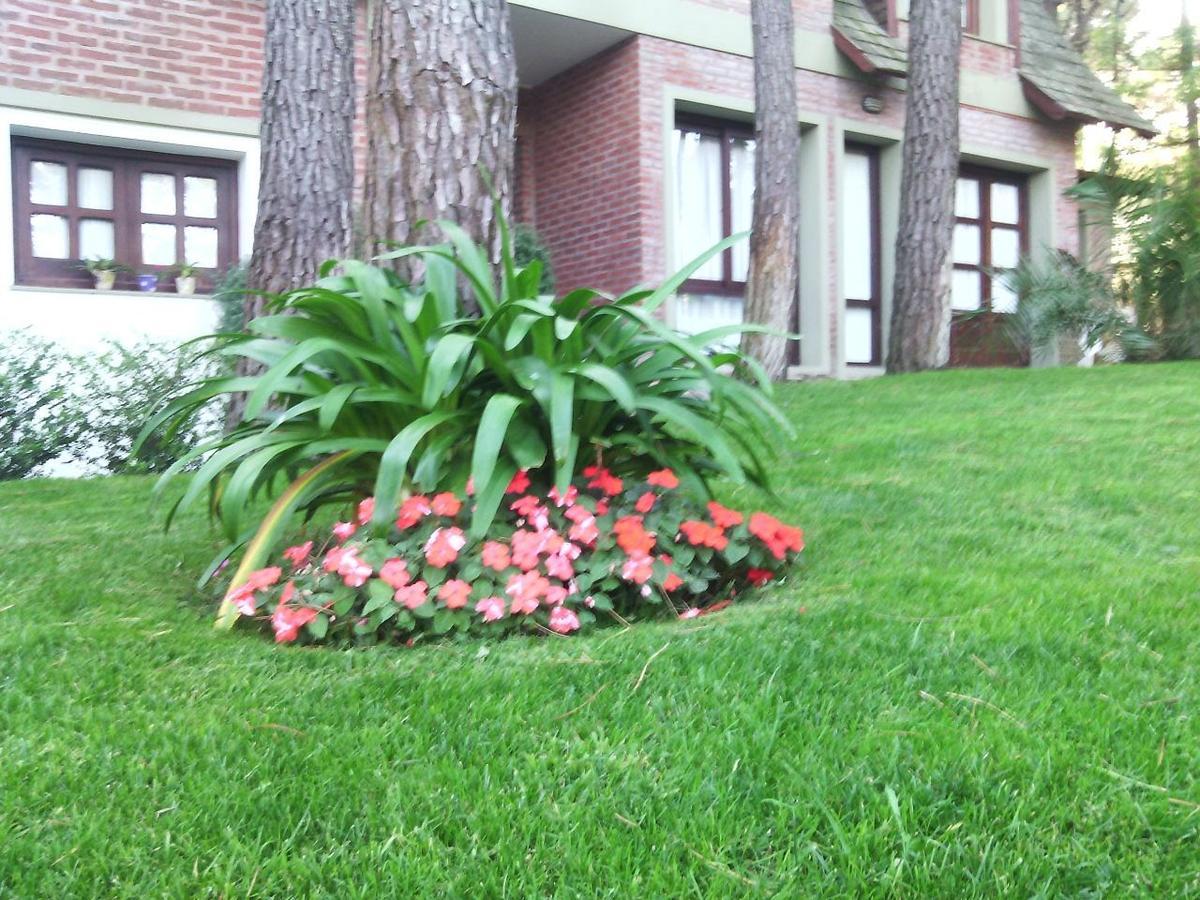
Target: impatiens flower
x: 495, y: 556
x: 561, y: 500
x: 663, y: 478
x: 298, y: 555
x: 333, y: 559
x: 366, y: 509
x: 759, y: 577
x: 585, y: 532
x: 526, y: 506
x: 638, y: 569
x: 563, y: 620
x: 454, y: 593
x: 555, y: 595
x: 519, y: 484
x: 526, y: 547
x: 443, y: 545
x: 689, y: 613
x: 559, y: 564
x: 412, y: 511
x: 523, y: 606
x: 645, y: 503
x: 723, y: 517
x: 602, y: 506
x: 446, y: 504
x: 243, y: 600
x: 778, y: 537
x: 343, y: 531
x: 287, y: 621
x: 353, y: 570
x: 491, y: 608
x: 470, y: 485
x: 414, y: 595
x: 672, y: 581
x: 701, y: 534
x: 394, y: 573
x: 603, y: 480
x: 632, y: 537
x: 263, y: 578
x: 526, y: 589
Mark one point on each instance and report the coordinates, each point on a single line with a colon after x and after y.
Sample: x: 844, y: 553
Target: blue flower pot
x: 147, y: 282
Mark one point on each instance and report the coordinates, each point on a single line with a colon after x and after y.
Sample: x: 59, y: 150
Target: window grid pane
x: 48, y: 183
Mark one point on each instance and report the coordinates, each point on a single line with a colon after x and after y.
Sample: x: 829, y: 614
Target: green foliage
x: 529, y: 248
x: 229, y: 291
x: 39, y: 417
x: 417, y: 394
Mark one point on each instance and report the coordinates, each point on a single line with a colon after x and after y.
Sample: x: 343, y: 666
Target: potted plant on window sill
x: 104, y: 271
x: 185, y: 279
x: 147, y: 281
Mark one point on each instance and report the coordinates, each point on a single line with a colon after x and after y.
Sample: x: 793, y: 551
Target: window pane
x: 697, y: 200
x: 1006, y: 248
x: 200, y: 246
x: 1006, y: 204
x: 966, y: 199
x: 158, y: 194
x: 695, y: 313
x: 158, y: 244
x: 95, y: 188
x: 967, y: 249
x: 200, y: 197
x: 860, y: 337
x: 96, y: 239
x: 857, y: 232
x: 48, y: 183
x: 1004, y: 298
x: 50, y: 238
x: 967, y: 290
x: 741, y: 190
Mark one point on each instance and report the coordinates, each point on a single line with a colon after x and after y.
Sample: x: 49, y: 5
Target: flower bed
x: 551, y: 562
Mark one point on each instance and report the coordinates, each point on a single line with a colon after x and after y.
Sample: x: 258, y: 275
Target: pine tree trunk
x: 920, y: 330
x: 441, y: 119
x: 775, y: 235
x: 305, y: 194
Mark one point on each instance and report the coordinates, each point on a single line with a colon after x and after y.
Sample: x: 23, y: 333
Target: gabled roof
x: 1059, y: 83
x: 1054, y: 76
x: 859, y: 35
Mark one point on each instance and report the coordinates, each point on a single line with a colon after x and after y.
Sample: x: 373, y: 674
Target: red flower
x: 495, y: 556
x: 263, y: 578
x: 366, y: 509
x: 454, y: 593
x: 603, y: 480
x: 778, y: 537
x: 519, y: 483
x: 602, y: 507
x: 638, y: 569
x: 563, y: 620
x: 298, y: 555
x: 414, y: 595
x: 701, y: 534
x: 561, y: 500
x: 672, y: 581
x: 646, y: 502
x: 723, y: 517
x: 412, y: 511
x: 663, y: 478
x: 443, y: 545
x: 632, y: 537
x: 287, y: 622
x: 526, y: 506
x: 759, y: 577
x: 446, y: 504
x: 394, y: 573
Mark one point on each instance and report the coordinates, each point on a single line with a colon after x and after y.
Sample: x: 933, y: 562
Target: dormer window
x: 987, y: 19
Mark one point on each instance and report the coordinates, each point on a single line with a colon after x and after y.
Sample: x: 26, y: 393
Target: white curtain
x: 697, y: 200
x: 741, y: 192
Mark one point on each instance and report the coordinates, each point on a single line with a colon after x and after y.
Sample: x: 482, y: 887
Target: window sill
x: 93, y: 292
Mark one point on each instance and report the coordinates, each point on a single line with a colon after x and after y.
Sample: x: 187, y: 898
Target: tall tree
x: 306, y: 135
x: 441, y: 117
x: 775, y: 230
x: 920, y: 331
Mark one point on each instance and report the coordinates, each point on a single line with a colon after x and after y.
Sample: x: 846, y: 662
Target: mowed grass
x: 983, y: 682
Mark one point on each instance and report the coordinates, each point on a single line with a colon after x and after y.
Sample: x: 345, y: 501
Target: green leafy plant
x: 101, y: 264
x: 40, y: 417
x: 384, y: 387
x: 528, y: 248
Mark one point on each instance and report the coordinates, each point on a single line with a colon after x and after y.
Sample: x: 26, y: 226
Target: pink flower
x: 495, y: 556
x: 525, y: 589
x: 287, y: 622
x: 298, y: 555
x: 470, y: 485
x: 603, y: 480
x: 663, y: 478
x: 526, y: 546
x: 414, y: 595
x: 523, y: 607
x: 263, y: 578
x: 561, y: 500
x: 519, y: 484
x: 412, y: 511
x: 394, y: 573
x: 353, y: 570
x: 585, y: 532
x: 366, y: 509
x: 454, y: 593
x: 563, y: 620
x: 446, y: 504
x: 555, y: 595
x: 491, y: 608
x: 443, y: 545
x: 638, y: 569
x: 243, y: 600
x: 646, y: 502
x: 343, y: 531
x: 722, y: 516
x: 558, y: 565
x: 689, y: 613
x: 526, y: 507
x: 333, y: 559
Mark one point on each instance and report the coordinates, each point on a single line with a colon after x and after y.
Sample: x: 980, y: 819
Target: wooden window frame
x: 127, y: 166
x: 986, y: 178
x: 972, y: 24
x: 875, y: 303
x: 727, y: 132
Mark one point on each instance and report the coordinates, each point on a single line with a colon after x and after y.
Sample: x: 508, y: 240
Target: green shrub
x: 528, y: 248
x: 373, y: 387
x: 40, y: 417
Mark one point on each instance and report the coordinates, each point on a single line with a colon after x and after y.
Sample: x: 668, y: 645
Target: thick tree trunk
x: 920, y: 330
x: 1190, y: 89
x: 305, y: 194
x: 775, y: 234
x: 441, y: 118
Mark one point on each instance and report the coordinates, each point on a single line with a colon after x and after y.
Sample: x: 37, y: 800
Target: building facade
x: 128, y: 129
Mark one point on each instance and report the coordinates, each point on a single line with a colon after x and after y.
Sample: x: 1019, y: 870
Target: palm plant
x: 374, y: 386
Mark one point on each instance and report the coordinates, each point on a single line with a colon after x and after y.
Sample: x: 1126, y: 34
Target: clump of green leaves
x: 40, y: 417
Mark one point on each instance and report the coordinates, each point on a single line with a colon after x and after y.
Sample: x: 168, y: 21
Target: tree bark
x: 441, y: 119
x: 775, y: 231
x: 920, y: 329
x: 1190, y: 89
x: 306, y: 184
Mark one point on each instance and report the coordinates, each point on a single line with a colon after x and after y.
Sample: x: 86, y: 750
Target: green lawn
x: 983, y: 682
